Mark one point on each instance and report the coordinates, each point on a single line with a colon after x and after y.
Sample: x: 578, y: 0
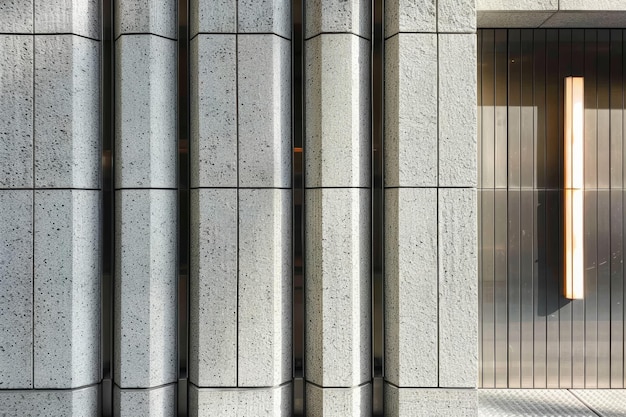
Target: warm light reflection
x: 574, y: 187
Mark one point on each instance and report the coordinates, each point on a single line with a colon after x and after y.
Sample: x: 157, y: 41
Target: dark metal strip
x: 182, y: 311
x: 108, y: 207
x: 298, y: 323
x: 378, y: 193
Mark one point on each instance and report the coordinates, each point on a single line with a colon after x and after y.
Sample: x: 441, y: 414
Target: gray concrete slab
x: 551, y: 402
x: 604, y: 402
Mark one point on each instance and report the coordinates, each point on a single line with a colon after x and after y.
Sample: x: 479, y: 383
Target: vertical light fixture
x: 574, y: 187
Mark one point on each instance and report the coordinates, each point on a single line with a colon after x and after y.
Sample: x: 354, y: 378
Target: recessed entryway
x: 531, y: 335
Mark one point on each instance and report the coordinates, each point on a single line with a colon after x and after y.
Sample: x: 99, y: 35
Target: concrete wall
x: 49, y: 194
x: 240, y: 337
x: 430, y: 208
x: 240, y: 324
x: 337, y: 152
x: 145, y: 361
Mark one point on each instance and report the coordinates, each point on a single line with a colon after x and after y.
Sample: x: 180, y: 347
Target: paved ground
x: 551, y: 403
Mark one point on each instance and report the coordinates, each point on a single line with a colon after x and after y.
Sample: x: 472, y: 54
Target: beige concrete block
x: 145, y: 288
x: 265, y: 280
x: 411, y: 110
x: 155, y: 402
x: 213, y: 113
x: 410, y: 16
x: 456, y: 16
x: 213, y: 288
x: 457, y: 110
x: 261, y: 402
x: 337, y: 299
x: 339, y: 402
x: 431, y: 402
x: 339, y: 16
x: 411, y: 315
x: 458, y: 288
x: 264, y: 111
x: 515, y: 19
x: 337, y: 137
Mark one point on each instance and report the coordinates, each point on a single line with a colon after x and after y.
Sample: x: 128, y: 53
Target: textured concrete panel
x: 587, y: 19
x: 59, y: 403
x: 457, y: 110
x: 67, y: 112
x: 80, y: 17
x: 608, y: 5
x: 343, y: 16
x: 458, y: 288
x: 154, y: 402
x: 264, y: 287
x: 410, y: 16
x: 145, y: 105
x: 338, y: 352
x: 213, y: 288
x: 456, y: 15
x: 511, y: 19
x: 265, y: 16
x: 258, y: 402
x: 16, y: 109
x: 337, y: 137
x: 519, y: 5
x: 411, y: 110
x: 264, y: 65
x: 213, y: 91
x: 67, y: 288
x: 217, y: 16
x: 146, y: 16
x: 339, y: 402
x: 16, y: 274
x: 411, y: 348
x: 145, y: 288
x: 430, y: 402
x: 16, y: 16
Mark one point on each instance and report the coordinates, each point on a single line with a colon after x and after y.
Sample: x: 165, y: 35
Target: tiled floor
x: 551, y: 403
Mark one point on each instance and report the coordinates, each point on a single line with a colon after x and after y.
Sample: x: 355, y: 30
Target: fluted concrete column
x: 431, y: 284
x: 337, y: 199
x: 49, y: 193
x: 145, y: 207
x: 240, y: 154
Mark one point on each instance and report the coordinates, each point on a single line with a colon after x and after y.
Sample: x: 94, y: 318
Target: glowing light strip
x: 574, y: 187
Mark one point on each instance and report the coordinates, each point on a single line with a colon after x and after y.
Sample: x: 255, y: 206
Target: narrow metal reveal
x: 378, y: 209
x: 182, y: 311
x: 108, y: 208
x: 298, y: 322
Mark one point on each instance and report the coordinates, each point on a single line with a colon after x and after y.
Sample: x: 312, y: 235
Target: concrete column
x: 431, y: 285
x: 50, y: 207
x: 337, y: 199
x: 240, y: 154
x: 145, y: 365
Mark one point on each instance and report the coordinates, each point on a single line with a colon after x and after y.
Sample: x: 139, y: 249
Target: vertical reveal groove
x: 298, y: 327
x: 378, y: 197
x: 108, y: 209
x: 183, y: 206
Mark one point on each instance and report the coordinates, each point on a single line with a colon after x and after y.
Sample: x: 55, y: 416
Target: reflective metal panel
x: 514, y: 305
x: 501, y: 76
x: 500, y: 288
x: 531, y: 336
